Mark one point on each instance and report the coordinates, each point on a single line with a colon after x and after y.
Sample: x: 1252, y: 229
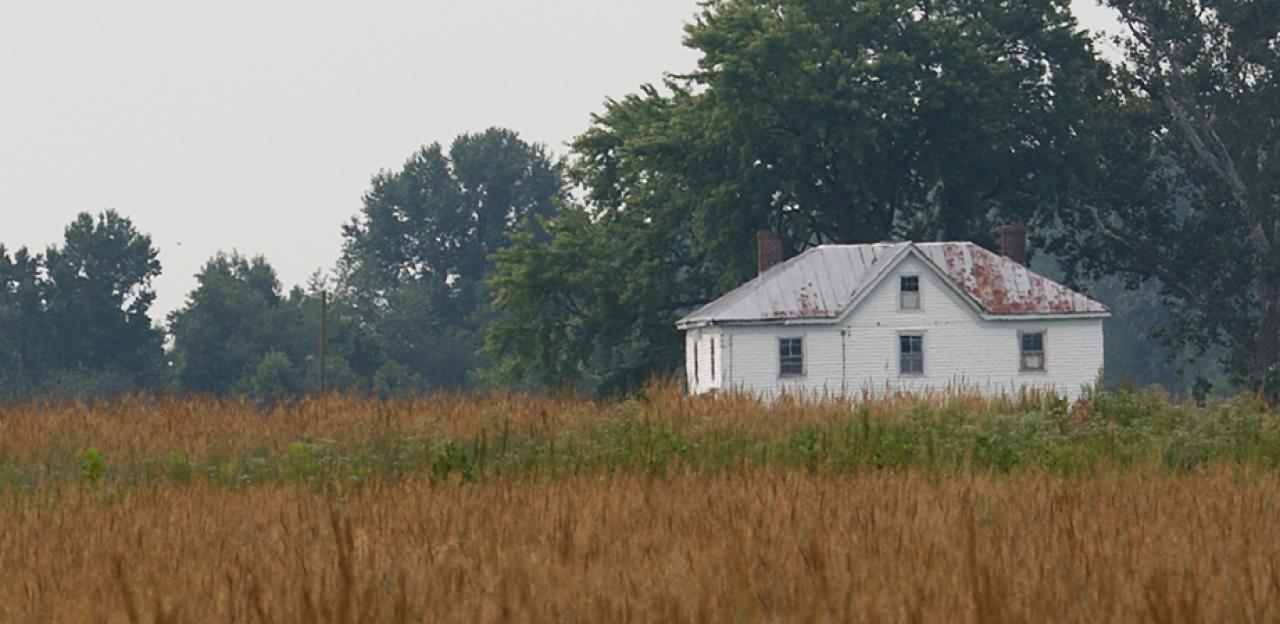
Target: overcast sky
x: 256, y: 126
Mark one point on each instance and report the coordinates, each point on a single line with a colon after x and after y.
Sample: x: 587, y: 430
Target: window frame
x: 713, y: 357
x: 1044, y: 351
x: 898, y: 347
x: 695, y: 361
x: 804, y: 368
x: 902, y: 293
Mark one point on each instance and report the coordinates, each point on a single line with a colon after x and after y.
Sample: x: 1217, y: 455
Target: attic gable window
x: 790, y: 357
x: 909, y: 292
x: 1031, y: 345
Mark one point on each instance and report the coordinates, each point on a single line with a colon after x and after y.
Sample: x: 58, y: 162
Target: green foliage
x: 565, y: 314
x: 92, y: 470
x: 98, y: 295
x: 824, y: 122
x: 74, y: 320
x: 1110, y: 431
x: 87, y: 385
x: 239, y: 334
x: 305, y: 462
x: 394, y: 379
x: 419, y: 332
x: 274, y: 378
x: 1187, y: 191
x: 416, y: 257
x: 14, y: 479
x: 231, y: 320
x: 180, y: 466
x: 805, y: 446
x: 451, y: 458
x: 439, y: 217
x: 410, y: 297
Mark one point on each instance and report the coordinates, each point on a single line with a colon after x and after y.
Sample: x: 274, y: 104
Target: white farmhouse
x: 894, y: 317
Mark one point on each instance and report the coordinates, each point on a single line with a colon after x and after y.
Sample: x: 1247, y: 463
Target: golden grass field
x: 588, y: 536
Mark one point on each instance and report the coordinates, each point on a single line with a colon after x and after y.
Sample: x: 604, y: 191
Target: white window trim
x: 1044, y: 351
x: 804, y: 357
x: 924, y: 360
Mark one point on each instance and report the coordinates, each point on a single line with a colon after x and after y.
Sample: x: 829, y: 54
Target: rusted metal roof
x: 823, y: 282
x: 1003, y: 287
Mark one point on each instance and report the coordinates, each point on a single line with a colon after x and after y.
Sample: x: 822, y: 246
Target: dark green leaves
x: 823, y: 121
x: 75, y: 319
x: 1189, y: 187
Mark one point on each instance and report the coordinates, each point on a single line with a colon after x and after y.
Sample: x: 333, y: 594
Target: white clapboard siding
x: 962, y: 350
x: 705, y: 381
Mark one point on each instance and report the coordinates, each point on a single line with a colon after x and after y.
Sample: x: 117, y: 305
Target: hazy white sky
x: 256, y: 125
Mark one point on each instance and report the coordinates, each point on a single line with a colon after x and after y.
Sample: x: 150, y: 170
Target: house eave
x: 1064, y: 316
x: 687, y: 325
x: 835, y: 320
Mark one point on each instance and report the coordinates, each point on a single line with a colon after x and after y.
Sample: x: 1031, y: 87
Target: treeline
x: 403, y: 311
x: 1152, y: 180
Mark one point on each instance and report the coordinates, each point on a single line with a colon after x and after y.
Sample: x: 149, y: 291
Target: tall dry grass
x: 146, y: 440
x: 760, y: 545
x: 1123, y: 507
x: 146, y: 425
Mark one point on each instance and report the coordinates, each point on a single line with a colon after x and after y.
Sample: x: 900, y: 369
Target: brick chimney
x: 1013, y: 242
x: 768, y: 250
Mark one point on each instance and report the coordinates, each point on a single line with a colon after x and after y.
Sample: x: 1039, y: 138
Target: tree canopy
x: 416, y: 257
x: 410, y: 296
x: 1190, y: 200
x: 239, y: 333
x: 493, y: 260
x: 438, y: 218
x: 826, y: 122
x: 76, y: 317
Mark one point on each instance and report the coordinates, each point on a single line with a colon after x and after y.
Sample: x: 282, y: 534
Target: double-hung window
x: 911, y: 354
x: 909, y: 292
x: 790, y: 357
x: 713, y: 359
x: 695, y: 361
x: 1031, y: 347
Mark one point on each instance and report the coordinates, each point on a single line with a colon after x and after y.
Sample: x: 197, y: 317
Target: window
x: 713, y: 359
x: 911, y: 354
x: 695, y: 361
x: 1032, y: 348
x: 909, y: 292
x: 790, y: 357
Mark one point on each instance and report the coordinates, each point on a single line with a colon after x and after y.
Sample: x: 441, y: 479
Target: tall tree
x: 76, y: 318
x: 415, y: 258
x: 23, y: 357
x: 1194, y: 168
x: 240, y: 334
x: 440, y: 216
x: 226, y: 327
x: 826, y: 122
x: 99, y: 295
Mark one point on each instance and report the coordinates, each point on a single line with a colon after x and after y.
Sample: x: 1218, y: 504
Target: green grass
x: 1112, y: 430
